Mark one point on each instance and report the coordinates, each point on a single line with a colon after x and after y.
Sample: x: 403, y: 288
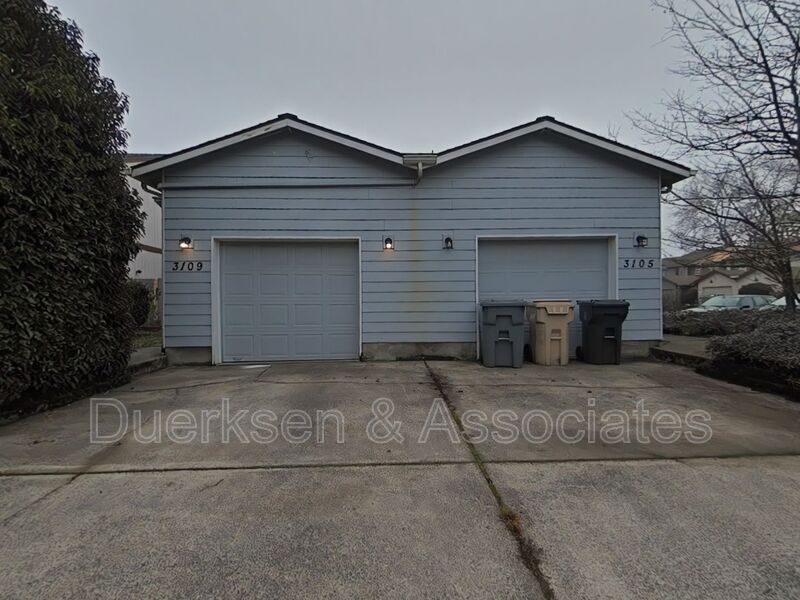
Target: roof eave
x: 149, y: 172
x: 670, y: 171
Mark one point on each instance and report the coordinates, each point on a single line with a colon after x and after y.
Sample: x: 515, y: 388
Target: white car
x: 778, y: 304
x: 740, y: 302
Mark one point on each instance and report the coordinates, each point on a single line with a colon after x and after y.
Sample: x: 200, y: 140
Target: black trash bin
x: 601, y: 339
x: 502, y: 333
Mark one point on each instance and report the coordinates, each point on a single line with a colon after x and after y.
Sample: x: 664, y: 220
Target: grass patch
x: 145, y: 339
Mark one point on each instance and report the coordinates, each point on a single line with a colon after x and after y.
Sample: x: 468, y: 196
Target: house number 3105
x: 641, y: 263
x: 187, y: 265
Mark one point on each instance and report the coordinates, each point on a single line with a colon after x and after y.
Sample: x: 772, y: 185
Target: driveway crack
x: 530, y: 553
x: 40, y: 498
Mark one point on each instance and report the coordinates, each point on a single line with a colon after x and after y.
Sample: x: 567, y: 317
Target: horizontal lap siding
x: 541, y: 185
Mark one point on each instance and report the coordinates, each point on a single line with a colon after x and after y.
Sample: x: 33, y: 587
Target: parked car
x: 739, y: 302
x: 779, y: 304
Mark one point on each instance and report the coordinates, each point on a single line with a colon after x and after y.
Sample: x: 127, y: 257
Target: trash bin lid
x: 504, y: 303
x: 601, y: 303
x: 554, y: 307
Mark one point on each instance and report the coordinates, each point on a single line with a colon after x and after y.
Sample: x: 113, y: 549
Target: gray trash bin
x: 502, y: 333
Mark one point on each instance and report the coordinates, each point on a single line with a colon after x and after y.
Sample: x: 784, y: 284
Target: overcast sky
x: 411, y: 75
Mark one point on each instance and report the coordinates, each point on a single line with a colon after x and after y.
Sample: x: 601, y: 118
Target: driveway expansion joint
x: 530, y: 553
x: 98, y: 470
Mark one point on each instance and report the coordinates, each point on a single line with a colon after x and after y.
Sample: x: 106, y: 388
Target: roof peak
x: 670, y: 171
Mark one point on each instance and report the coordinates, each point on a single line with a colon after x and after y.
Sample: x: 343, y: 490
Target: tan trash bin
x: 550, y: 331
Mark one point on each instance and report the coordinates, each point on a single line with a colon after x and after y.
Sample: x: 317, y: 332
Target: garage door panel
x: 339, y: 256
x: 308, y: 285
x: 238, y: 314
x: 342, y: 345
x: 271, y: 256
x: 240, y: 257
x: 274, y: 345
x: 308, y: 314
x: 273, y: 284
x: 342, y: 315
x: 530, y: 269
x: 308, y: 345
x: 274, y: 315
x: 240, y: 344
x: 338, y: 284
x: 308, y: 256
x: 494, y: 281
x: 239, y: 283
x: 303, y: 304
x: 725, y: 290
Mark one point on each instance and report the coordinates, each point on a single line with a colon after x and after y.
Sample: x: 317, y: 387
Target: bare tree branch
x: 741, y: 129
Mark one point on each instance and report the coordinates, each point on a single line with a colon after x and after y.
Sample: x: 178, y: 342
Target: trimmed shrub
x: 141, y: 299
x: 757, y: 288
x: 774, y: 346
x: 68, y: 221
x: 722, y: 322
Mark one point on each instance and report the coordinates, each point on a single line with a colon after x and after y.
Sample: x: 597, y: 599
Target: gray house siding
x: 297, y: 185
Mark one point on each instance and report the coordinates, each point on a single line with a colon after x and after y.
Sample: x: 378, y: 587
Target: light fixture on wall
x: 641, y: 241
x: 388, y: 243
x: 185, y: 243
x: 447, y: 244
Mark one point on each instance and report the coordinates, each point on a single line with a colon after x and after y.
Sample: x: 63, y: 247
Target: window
x: 721, y: 302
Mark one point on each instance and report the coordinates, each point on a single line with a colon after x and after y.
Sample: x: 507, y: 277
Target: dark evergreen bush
x: 758, y: 288
x: 68, y: 222
x: 774, y: 346
x: 723, y: 322
x: 141, y: 299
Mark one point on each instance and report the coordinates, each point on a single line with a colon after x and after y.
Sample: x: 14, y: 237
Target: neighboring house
x: 678, y: 291
x: 148, y: 264
x: 289, y: 241
x: 729, y: 282
x: 699, y: 262
x: 698, y: 275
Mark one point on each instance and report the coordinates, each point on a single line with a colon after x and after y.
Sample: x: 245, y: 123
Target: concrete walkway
x: 146, y: 360
x: 384, y: 515
x: 682, y: 349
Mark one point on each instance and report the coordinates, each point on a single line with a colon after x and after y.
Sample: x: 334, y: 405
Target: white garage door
x: 721, y: 290
x: 289, y: 301
x: 544, y: 269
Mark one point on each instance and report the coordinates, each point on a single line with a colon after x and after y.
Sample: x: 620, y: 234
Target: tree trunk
x: 789, y: 288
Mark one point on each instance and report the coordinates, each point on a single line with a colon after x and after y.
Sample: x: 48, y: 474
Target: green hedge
x: 68, y: 222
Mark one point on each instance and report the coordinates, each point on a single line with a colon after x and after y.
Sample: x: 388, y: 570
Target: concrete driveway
x: 351, y: 479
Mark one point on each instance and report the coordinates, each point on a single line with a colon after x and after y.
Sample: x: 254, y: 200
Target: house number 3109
x: 641, y: 263
x: 187, y: 265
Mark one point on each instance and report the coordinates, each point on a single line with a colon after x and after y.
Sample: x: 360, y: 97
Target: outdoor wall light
x: 185, y: 243
x: 388, y: 243
x: 641, y: 241
x: 448, y: 243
